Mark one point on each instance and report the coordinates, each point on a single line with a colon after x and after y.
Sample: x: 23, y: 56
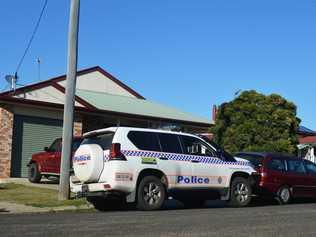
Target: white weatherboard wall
x: 47, y: 94
x: 38, y: 112
x: 96, y: 81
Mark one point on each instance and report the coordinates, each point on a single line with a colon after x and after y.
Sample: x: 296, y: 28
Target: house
x: 307, y: 143
x: 31, y: 116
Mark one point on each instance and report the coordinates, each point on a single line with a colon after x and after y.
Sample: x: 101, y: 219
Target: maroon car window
x: 310, y: 167
x: 276, y: 164
x: 295, y: 166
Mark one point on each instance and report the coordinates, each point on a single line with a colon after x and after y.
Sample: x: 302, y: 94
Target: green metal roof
x: 129, y: 105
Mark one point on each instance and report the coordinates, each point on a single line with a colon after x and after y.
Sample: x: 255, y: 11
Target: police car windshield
x: 224, y: 154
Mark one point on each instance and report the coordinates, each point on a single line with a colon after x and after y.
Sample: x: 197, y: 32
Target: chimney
x: 214, y: 113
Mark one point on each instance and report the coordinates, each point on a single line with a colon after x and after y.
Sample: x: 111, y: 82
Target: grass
x: 32, y: 196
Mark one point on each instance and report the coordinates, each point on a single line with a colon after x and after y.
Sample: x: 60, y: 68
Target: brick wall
x: 6, y: 131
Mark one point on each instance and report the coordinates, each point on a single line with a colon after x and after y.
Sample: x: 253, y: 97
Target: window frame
x: 57, y: 144
x: 279, y: 159
x: 307, y: 171
x: 295, y: 172
x: 151, y: 133
x: 179, y: 141
x: 96, y: 136
x: 213, y: 150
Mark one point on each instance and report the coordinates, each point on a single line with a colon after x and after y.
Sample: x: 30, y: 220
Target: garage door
x: 31, y: 135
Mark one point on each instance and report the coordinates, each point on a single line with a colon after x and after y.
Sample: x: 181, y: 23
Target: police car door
x: 176, y: 165
x: 207, y: 169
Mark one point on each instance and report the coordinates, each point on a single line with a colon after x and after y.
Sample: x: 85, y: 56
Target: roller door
x: 31, y: 135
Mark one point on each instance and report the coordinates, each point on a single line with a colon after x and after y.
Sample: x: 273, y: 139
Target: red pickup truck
x: 47, y: 163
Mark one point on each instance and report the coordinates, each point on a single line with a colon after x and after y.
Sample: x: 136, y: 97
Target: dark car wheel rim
x: 241, y: 192
x: 152, y: 194
x: 285, y: 194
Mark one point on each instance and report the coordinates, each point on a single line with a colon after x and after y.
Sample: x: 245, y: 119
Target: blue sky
x: 187, y: 54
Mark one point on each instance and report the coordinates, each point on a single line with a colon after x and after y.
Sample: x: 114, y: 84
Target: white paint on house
x: 47, y: 94
x: 96, y: 81
x: 38, y: 112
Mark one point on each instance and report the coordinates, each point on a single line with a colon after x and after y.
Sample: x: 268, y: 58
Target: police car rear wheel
x: 240, y: 194
x: 151, y: 194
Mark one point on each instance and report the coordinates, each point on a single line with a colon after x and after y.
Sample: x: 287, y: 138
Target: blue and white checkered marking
x: 183, y: 157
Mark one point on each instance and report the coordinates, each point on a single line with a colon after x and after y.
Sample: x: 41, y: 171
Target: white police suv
x: 120, y: 165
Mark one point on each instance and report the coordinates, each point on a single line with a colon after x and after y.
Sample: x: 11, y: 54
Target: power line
x: 32, y: 37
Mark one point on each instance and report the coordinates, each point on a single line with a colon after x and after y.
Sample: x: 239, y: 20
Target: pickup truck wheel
x: 102, y: 204
x: 34, y: 175
x: 284, y: 195
x: 151, y: 194
x: 240, y: 192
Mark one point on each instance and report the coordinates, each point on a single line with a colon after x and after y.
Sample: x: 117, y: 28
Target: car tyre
x: 240, y: 192
x: 284, y: 195
x: 34, y: 175
x: 151, y: 194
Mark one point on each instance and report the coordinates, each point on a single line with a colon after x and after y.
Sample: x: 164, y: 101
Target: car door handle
x: 195, y: 161
x: 163, y: 158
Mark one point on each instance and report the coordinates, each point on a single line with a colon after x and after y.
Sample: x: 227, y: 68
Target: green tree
x: 255, y: 122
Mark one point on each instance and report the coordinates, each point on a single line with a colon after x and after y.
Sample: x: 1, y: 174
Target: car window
x: 169, y: 143
x: 310, y: 167
x: 194, y: 146
x: 147, y: 141
x: 104, y: 140
x: 255, y: 160
x: 224, y: 154
x: 277, y: 165
x: 295, y: 166
x: 55, y: 146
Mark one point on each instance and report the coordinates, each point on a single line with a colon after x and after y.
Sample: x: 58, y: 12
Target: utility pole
x: 69, y: 100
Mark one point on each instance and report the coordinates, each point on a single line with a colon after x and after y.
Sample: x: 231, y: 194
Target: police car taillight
x: 115, y: 152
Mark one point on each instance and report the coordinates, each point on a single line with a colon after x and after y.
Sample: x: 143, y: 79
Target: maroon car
x: 47, y: 163
x: 283, y: 176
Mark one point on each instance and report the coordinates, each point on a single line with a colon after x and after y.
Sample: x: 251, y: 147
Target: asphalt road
x: 269, y: 220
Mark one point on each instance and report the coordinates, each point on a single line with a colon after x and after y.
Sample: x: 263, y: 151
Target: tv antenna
x: 12, y: 80
x: 38, y: 60
x: 237, y: 92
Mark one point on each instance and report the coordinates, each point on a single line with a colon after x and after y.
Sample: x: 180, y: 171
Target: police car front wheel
x: 240, y: 192
x: 151, y: 194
